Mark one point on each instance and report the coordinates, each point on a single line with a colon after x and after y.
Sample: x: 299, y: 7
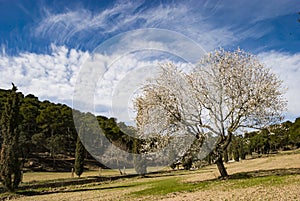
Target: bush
x: 173, y: 166
x: 187, y: 163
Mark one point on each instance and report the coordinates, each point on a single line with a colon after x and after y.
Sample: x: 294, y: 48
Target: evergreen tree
x: 236, y: 147
x: 79, y: 157
x: 10, y: 166
x: 242, y: 150
x: 236, y: 154
x: 225, y: 155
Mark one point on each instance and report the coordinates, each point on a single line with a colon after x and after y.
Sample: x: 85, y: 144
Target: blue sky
x: 44, y: 44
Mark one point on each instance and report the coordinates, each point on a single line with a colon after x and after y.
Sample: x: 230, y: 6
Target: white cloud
x: 107, y: 84
x: 287, y: 67
x: 124, y: 63
x: 46, y: 76
x: 54, y: 76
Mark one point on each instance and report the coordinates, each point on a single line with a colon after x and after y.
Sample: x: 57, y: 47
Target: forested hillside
x: 48, y: 129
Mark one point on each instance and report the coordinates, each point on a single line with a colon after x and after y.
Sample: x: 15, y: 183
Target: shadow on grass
x: 265, y: 173
x: 254, y: 174
x: 171, y: 173
x: 46, y: 192
x: 62, y: 186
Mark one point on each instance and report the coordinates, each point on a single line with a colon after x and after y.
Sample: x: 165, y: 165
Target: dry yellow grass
x: 270, y: 193
x: 44, y: 176
x: 122, y: 189
x: 266, y: 163
x: 290, y: 191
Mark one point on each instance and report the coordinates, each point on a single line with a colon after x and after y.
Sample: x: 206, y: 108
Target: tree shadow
x: 35, y: 192
x: 265, y: 173
x: 256, y: 174
x: 62, y: 187
x: 171, y: 173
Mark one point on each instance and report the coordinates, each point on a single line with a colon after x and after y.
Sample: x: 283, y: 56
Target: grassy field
x: 29, y: 177
x: 267, y: 178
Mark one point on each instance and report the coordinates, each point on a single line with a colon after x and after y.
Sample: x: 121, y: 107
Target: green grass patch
x: 8, y: 196
x: 273, y: 180
x: 170, y: 185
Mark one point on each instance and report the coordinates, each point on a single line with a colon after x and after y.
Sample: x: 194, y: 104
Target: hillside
x: 48, y: 134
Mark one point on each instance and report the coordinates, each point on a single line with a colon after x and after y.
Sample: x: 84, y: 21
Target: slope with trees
x: 47, y: 131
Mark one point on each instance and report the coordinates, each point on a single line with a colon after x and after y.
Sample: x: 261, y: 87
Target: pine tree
x: 10, y: 165
x: 79, y: 157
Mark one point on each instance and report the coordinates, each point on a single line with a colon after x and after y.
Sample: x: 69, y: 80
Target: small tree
x: 79, y: 157
x: 187, y: 162
x: 139, y: 161
x: 10, y: 165
x: 224, y: 93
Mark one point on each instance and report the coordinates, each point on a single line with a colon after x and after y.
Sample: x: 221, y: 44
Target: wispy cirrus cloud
x: 183, y: 18
x: 210, y: 23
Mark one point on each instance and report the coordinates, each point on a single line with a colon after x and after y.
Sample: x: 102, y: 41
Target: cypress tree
x: 10, y: 165
x: 79, y: 157
x: 242, y: 150
x: 236, y: 154
x: 225, y: 155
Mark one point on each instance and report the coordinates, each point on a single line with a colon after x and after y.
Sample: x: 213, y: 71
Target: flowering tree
x: 162, y: 117
x: 223, y: 93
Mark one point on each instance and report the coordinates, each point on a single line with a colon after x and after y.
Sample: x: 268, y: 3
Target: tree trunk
x: 221, y: 167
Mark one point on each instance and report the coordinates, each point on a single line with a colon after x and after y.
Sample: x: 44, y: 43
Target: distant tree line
x: 281, y: 137
x: 284, y: 136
